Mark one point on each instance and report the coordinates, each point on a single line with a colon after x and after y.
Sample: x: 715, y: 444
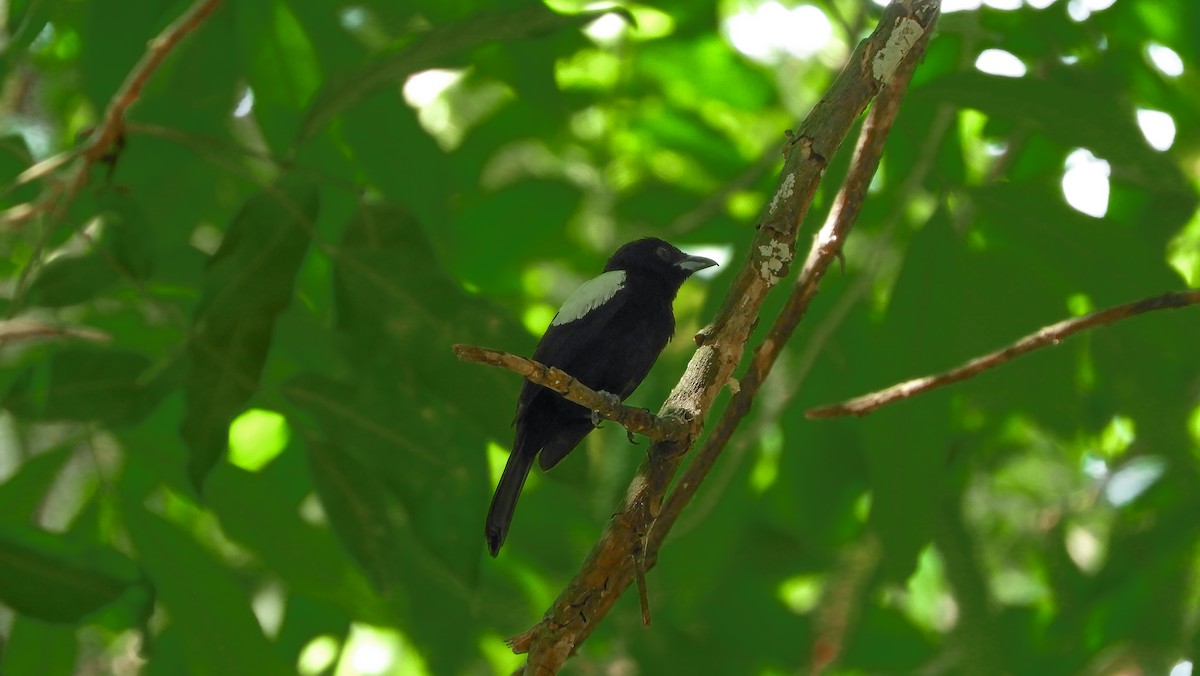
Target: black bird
x: 607, y: 335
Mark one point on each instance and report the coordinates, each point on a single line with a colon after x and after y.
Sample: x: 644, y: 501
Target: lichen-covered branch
x: 827, y: 246
x: 1049, y: 335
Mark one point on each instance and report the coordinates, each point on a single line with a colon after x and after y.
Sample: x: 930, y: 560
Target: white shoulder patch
x: 589, y: 296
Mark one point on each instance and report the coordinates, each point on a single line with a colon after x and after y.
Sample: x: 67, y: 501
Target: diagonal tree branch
x: 106, y: 136
x: 826, y: 248
x: 105, y: 139
x: 637, y: 420
x: 619, y: 557
x: 1049, y: 335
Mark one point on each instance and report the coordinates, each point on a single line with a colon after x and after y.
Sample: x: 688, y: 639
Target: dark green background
x: 317, y: 257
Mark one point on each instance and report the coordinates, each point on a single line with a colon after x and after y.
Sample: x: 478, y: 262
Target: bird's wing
x: 592, y: 295
x: 577, y: 325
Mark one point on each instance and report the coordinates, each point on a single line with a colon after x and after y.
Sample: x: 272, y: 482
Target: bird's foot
x: 613, y: 400
x: 629, y: 433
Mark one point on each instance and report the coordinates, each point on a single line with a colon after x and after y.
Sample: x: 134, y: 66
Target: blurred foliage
x: 315, y: 200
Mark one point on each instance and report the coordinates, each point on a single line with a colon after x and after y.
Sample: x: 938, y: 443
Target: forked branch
x: 636, y: 420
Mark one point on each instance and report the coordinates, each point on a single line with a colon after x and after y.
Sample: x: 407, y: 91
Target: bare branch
x: 611, y: 565
x: 107, y: 135
x: 20, y: 329
x: 1050, y: 335
x: 826, y: 248
x: 112, y: 126
x: 637, y: 420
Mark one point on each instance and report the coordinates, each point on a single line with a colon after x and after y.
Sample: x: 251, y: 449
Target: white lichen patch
x: 900, y: 42
x: 775, y: 256
x: 784, y: 193
x: 734, y: 385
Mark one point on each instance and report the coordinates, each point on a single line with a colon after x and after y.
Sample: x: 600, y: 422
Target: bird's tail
x: 504, y: 502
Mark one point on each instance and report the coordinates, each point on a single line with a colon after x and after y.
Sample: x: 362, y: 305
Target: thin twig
x: 16, y: 330
x: 1049, y: 335
x: 105, y: 135
x: 637, y: 420
x: 643, y: 592
x: 104, y: 138
x: 842, y: 600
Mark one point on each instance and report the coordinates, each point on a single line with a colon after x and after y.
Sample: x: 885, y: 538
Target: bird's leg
x: 613, y: 400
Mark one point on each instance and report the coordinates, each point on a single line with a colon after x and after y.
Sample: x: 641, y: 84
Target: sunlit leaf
x: 436, y: 47
x: 23, y: 492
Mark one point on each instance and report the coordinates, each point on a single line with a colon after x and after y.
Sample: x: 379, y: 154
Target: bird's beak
x: 694, y: 263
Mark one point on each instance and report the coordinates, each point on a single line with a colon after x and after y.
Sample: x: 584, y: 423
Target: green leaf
x: 25, y: 491
x: 365, y: 517
x: 282, y: 68
x: 1108, y: 129
x: 441, y: 46
x: 424, y: 464
x: 57, y: 578
x: 423, y: 548
x: 885, y: 639
x: 128, y: 238
x: 183, y: 164
x: 71, y: 280
x: 117, y: 35
x: 42, y: 648
x: 203, y: 600
x: 14, y: 159
x: 255, y: 512
x: 373, y: 129
x: 705, y: 68
x: 394, y: 301
x: 83, y: 384
x: 248, y: 283
x: 479, y: 241
x: 168, y: 656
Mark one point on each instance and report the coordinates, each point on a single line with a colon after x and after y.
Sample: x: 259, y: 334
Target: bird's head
x: 660, y: 259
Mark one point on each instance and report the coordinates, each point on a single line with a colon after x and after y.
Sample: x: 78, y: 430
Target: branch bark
x: 826, y: 247
x: 1049, y: 335
x: 637, y: 420
x: 105, y: 138
x: 621, y: 552
x: 28, y: 328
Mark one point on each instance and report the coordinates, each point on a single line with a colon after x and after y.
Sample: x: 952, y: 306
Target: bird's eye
x: 663, y: 253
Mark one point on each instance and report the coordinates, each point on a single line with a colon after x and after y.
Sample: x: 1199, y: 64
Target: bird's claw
x: 629, y: 433
x: 613, y: 401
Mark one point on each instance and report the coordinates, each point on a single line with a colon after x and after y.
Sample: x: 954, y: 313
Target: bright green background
x: 301, y: 268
